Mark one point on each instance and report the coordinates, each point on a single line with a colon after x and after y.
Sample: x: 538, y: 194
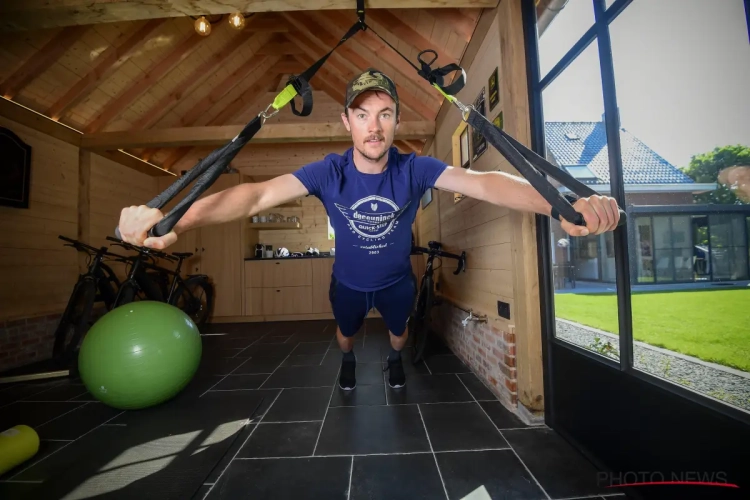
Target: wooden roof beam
x: 38, y: 14
x: 270, y: 133
x: 230, y: 110
x: 279, y: 49
x: 257, y: 64
x: 151, y: 77
x: 454, y: 20
x: 169, y: 101
x: 377, y: 50
x: 41, y: 60
x: 403, y: 31
x: 109, y: 61
x: 344, y: 57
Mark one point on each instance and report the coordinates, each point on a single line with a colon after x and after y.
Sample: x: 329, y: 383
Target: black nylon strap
x: 524, y: 160
x: 305, y: 92
x: 310, y: 72
x: 228, y: 152
x: 436, y: 75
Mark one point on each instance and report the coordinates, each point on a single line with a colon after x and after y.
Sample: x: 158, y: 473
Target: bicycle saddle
x: 182, y: 254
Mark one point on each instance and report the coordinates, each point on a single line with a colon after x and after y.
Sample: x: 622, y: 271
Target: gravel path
x: 729, y: 385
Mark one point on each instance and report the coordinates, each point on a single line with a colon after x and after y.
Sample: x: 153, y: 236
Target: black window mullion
x: 612, y: 127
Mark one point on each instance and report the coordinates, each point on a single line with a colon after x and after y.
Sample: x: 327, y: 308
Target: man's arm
x: 230, y: 204
x: 499, y: 188
x: 243, y: 200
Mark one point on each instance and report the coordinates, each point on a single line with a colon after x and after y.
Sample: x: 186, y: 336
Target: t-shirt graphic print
x: 371, y: 214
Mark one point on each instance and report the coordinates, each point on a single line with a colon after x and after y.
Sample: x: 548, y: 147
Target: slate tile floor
x: 264, y: 418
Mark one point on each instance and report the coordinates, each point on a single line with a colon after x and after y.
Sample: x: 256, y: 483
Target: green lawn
x: 713, y: 325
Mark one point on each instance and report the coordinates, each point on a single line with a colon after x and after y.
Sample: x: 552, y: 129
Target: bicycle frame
x: 423, y: 303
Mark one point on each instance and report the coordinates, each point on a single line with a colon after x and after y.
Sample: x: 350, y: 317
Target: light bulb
x: 202, y: 26
x: 237, y: 21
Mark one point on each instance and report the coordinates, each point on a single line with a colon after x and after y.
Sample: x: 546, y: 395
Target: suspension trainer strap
x: 529, y: 164
x: 208, y: 170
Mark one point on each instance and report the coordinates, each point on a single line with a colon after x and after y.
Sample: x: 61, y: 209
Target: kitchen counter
x: 293, y: 258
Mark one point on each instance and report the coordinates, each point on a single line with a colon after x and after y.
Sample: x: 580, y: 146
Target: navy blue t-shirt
x: 371, y: 214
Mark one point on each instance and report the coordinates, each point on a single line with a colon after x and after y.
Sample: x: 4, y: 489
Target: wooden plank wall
x: 500, y: 244
x: 479, y: 228
x: 114, y: 187
x: 37, y: 272
x: 313, y: 216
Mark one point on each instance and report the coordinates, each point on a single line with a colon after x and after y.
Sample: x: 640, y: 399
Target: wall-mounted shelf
x: 291, y: 204
x: 265, y: 226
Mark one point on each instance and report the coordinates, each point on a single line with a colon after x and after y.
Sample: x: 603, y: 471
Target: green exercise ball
x: 139, y: 355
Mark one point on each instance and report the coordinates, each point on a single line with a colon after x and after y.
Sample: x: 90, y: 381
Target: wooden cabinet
x: 321, y: 283
x: 294, y: 287
x: 283, y: 287
x: 287, y: 300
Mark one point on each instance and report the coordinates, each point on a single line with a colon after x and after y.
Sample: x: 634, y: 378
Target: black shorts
x: 394, y: 303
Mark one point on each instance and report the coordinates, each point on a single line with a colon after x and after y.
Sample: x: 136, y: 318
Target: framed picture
x: 15, y: 170
x: 494, y: 90
x: 465, y: 163
x: 426, y: 198
x: 478, y: 142
x: 498, y: 121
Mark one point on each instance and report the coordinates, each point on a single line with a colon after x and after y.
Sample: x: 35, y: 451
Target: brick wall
x: 487, y: 350
x: 29, y: 340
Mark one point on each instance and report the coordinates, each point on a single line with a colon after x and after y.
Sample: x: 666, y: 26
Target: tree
x: 707, y: 168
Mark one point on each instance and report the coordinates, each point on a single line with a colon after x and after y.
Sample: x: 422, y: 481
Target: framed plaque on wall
x: 15, y: 170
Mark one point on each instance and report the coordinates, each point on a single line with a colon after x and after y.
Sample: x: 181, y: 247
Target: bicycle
x: 95, y: 285
x: 419, y: 321
x: 193, y: 295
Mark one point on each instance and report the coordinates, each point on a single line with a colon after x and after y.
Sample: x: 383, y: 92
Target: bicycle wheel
x: 420, y: 320
x: 75, y: 320
x: 127, y: 293
x: 195, y: 296
x: 107, y: 284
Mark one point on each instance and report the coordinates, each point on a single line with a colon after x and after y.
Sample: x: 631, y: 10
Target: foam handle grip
x: 17, y: 445
x: 623, y: 217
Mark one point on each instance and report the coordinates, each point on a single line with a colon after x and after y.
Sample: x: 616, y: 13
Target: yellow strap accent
x: 284, y: 97
x: 447, y: 96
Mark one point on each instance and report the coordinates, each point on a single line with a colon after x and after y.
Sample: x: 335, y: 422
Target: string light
x: 237, y: 21
x: 202, y: 26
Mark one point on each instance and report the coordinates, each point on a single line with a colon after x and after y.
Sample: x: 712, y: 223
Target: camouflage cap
x: 370, y: 79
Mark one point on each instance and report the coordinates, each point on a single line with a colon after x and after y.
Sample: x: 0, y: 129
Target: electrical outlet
x: 503, y: 309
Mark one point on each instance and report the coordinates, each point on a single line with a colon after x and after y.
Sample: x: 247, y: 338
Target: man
x: 371, y: 194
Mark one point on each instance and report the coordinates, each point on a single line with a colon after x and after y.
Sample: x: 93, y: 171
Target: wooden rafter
x: 303, y: 131
x: 454, y: 20
x: 370, y: 43
x: 391, y: 23
x: 334, y: 79
x: 151, y: 77
x: 245, y: 100
x: 167, y: 103
x: 249, y: 73
x: 225, y: 115
x: 36, y: 14
x: 256, y: 65
x: 279, y: 49
x: 109, y: 61
x: 346, y: 56
x: 41, y: 60
x: 415, y: 145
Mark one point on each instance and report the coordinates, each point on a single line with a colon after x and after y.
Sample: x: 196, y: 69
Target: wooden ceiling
x: 134, y: 75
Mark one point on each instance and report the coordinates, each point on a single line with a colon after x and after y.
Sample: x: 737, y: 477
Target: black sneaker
x: 347, y: 380
x: 396, y: 377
